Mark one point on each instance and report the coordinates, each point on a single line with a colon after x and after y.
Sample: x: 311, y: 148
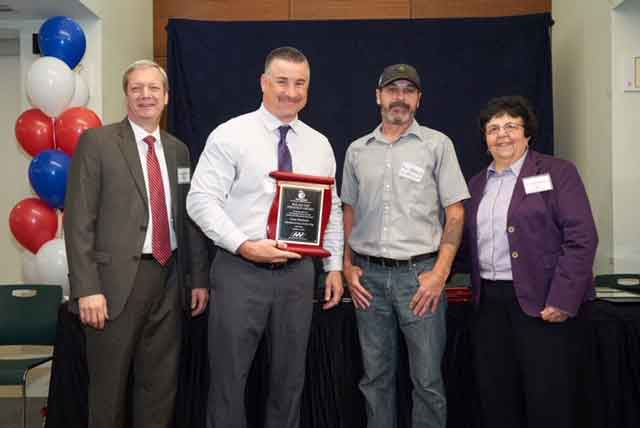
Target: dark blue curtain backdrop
x: 214, y: 69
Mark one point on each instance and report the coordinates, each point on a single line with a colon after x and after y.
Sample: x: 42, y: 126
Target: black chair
x: 28, y: 316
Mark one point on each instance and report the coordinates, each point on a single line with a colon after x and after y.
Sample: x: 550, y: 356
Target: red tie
x: 160, y: 241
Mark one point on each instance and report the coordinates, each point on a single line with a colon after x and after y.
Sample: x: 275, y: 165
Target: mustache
x: 399, y: 104
x: 289, y: 99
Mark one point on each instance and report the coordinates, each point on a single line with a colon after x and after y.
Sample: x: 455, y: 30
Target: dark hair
x: 514, y: 106
x: 286, y: 53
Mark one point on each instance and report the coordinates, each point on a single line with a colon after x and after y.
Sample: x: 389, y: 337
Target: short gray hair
x: 144, y: 63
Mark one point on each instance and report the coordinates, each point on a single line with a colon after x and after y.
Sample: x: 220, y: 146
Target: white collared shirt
x: 139, y: 134
x: 231, y: 190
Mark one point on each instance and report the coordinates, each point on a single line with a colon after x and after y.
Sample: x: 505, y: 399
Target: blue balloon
x: 48, y: 176
x: 63, y: 38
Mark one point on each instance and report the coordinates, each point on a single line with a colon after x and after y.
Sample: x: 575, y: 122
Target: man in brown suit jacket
x: 131, y: 249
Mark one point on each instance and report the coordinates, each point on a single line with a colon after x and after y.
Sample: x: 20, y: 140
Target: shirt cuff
x: 332, y: 264
x: 233, y: 241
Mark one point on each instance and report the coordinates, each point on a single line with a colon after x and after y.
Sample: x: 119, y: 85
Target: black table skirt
x: 607, y: 343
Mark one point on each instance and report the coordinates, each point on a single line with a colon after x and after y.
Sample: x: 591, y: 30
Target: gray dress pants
x: 249, y: 300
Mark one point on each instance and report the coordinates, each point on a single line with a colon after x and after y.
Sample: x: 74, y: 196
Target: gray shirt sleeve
x: 349, y: 190
x: 452, y: 186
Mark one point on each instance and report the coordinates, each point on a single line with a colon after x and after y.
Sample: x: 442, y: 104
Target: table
x: 607, y: 362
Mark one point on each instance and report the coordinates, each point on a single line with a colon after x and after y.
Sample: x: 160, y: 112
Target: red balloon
x: 71, y: 124
x: 33, y: 223
x: 34, y: 131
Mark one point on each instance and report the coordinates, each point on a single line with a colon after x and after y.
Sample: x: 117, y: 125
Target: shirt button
x: 515, y: 255
x: 511, y: 229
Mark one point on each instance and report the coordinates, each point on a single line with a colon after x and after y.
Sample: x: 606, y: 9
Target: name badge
x: 184, y: 175
x: 411, y: 172
x: 537, y: 183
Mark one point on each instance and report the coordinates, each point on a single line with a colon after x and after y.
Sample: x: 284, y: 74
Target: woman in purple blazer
x: 532, y: 241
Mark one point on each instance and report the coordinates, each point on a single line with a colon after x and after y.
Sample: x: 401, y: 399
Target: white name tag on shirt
x: 411, y: 172
x: 184, y: 175
x: 537, y: 183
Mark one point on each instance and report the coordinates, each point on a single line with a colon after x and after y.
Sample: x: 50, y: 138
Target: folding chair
x: 28, y: 316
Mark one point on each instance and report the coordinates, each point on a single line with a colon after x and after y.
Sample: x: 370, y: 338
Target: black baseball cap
x: 399, y: 72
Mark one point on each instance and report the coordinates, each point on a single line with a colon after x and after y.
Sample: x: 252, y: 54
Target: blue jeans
x: 392, y: 289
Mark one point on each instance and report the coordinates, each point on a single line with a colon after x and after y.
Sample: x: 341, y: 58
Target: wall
x: 13, y: 168
x: 625, y: 28
x: 127, y: 29
x: 282, y: 10
x: 581, y: 49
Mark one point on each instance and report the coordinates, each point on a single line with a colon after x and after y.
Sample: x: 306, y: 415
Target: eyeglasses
x: 509, y: 128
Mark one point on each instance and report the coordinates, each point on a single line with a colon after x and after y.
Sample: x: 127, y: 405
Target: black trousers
x: 523, y: 365
x: 143, y: 340
x: 248, y: 301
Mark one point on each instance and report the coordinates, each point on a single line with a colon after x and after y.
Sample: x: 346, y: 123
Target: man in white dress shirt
x: 258, y: 286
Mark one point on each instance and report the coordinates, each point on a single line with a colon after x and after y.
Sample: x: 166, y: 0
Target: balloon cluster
x: 49, y: 133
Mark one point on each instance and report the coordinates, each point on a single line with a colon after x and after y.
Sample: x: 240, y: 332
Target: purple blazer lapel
x: 476, y: 189
x: 529, y: 168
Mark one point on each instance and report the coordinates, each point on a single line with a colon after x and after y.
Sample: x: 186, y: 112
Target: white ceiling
x: 40, y: 9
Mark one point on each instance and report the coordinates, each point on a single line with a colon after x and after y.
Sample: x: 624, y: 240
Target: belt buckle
x: 392, y: 263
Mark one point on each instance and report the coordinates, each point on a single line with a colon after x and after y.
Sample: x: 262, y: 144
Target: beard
x: 395, y: 118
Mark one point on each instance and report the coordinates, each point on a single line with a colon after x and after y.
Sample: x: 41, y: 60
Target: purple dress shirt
x: 493, y: 243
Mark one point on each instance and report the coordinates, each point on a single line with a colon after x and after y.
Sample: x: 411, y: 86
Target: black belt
x: 383, y: 261
x: 267, y: 266
x: 497, y: 282
x: 274, y: 266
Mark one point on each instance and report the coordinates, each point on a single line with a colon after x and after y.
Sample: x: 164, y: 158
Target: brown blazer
x: 106, y: 216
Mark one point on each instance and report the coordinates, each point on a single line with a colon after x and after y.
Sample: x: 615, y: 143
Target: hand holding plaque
x: 300, y: 212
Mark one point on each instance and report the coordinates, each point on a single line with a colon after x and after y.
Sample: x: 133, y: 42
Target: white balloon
x: 81, y: 94
x: 50, y: 85
x: 29, y: 269
x: 51, y: 264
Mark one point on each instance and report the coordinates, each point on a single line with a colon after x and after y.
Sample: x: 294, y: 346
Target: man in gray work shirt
x: 397, y: 181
